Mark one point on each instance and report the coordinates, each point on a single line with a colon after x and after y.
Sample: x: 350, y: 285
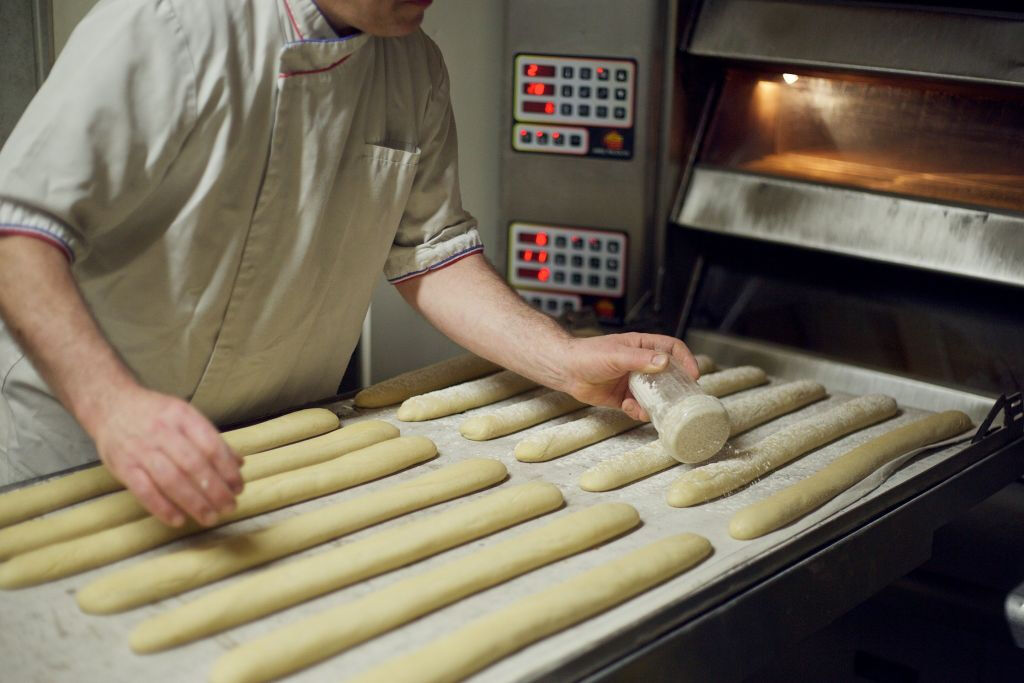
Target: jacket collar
x: 307, y: 23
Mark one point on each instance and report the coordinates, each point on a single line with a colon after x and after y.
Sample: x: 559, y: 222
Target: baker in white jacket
x: 193, y: 212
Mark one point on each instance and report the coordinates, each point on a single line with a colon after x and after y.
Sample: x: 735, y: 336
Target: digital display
x: 539, y: 107
x: 538, y: 238
x: 541, y: 274
x: 542, y: 70
x: 538, y: 88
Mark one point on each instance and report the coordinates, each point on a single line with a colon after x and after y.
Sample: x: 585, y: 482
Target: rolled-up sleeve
x: 435, y: 230
x: 104, y: 128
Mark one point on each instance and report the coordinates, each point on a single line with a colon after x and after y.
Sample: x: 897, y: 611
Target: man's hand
x: 597, y: 368
x: 169, y: 456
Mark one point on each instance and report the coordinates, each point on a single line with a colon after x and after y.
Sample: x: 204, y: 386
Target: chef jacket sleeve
x: 103, y: 130
x: 435, y: 230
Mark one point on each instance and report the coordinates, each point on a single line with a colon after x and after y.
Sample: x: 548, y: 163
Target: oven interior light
x: 790, y: 78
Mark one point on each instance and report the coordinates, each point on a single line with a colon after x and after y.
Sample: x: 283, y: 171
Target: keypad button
x: 566, y: 109
x: 567, y: 91
x: 559, y: 276
x: 551, y: 305
x: 536, y: 301
x: 558, y: 139
x: 620, y: 112
x: 567, y: 72
x: 612, y: 263
x: 577, y: 261
x: 560, y: 241
x: 602, y: 93
x: 575, y: 140
x: 611, y: 281
x: 595, y: 244
x: 584, y: 110
x: 613, y: 247
x: 560, y: 259
x: 602, y: 74
x: 577, y: 242
x: 542, y: 138
x: 594, y: 280
x: 621, y: 75
x: 585, y: 73
x: 577, y: 278
x: 595, y: 262
x: 584, y: 91
x: 567, y: 306
x: 620, y: 93
x: 526, y: 136
x: 601, y: 112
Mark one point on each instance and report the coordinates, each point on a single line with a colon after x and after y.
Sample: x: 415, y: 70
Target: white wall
x: 469, y: 33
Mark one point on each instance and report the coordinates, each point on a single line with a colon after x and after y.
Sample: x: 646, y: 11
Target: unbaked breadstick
x: 174, y: 573
x: 54, y: 494
x: 519, y: 416
x: 415, y: 382
x: 315, y: 638
x: 725, y: 382
x: 463, y: 397
x: 597, y: 425
x: 745, y: 413
x: 121, y: 507
x: 290, y: 584
x: 483, y: 641
x: 793, y: 502
x: 718, y: 478
x: 104, y: 547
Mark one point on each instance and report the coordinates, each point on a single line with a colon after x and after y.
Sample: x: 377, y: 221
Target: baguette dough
x: 168, y: 575
x: 597, y: 425
x: 38, y: 499
x: 289, y: 584
x: 718, y: 478
x: 745, y: 413
x: 104, y: 547
x: 725, y: 382
x: 437, y: 376
x: 122, y: 507
x: 463, y: 397
x: 315, y: 638
x: 793, y: 502
x: 483, y: 641
x: 519, y: 416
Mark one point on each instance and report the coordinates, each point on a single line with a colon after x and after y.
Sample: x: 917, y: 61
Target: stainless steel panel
x: 884, y: 39
x: 972, y: 242
x: 727, y: 350
x: 589, y: 192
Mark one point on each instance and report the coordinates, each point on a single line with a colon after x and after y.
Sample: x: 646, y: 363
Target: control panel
x: 552, y: 303
x: 585, y: 263
x: 590, y: 98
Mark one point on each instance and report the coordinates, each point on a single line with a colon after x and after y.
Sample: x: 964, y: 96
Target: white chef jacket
x: 229, y: 179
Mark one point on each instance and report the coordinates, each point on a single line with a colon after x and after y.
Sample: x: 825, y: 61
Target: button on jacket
x: 229, y: 179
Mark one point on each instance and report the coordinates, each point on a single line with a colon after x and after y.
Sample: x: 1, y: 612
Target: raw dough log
x: 793, y: 502
x: 725, y: 382
x: 483, y: 641
x: 599, y: 424
x: 168, y: 575
x: 121, y: 507
x: 519, y: 416
x: 718, y: 478
x: 458, y: 399
x: 296, y: 582
x: 104, y: 547
x: 437, y: 376
x: 705, y: 364
x: 745, y: 413
x: 315, y: 638
x: 55, y: 494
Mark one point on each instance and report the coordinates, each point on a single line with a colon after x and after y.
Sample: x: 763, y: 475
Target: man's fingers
x: 660, y: 348
x: 212, y: 447
x: 635, y: 410
x: 177, y: 486
x: 143, y: 488
x: 194, y: 463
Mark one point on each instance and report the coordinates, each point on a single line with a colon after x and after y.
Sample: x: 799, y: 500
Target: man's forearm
x: 42, y: 307
x: 470, y: 303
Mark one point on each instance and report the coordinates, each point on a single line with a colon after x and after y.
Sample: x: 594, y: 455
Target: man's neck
x: 334, y: 20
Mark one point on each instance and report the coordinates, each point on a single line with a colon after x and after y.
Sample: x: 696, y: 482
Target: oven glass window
x: 946, y: 142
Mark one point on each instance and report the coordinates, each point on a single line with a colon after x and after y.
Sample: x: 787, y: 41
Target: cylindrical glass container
x: 692, y: 426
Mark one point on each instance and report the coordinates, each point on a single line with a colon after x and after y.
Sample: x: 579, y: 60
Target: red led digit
x: 526, y: 255
x: 541, y: 70
x: 549, y: 108
x: 542, y: 256
x: 542, y: 237
x: 531, y: 69
x: 538, y: 89
x: 543, y: 275
x: 536, y: 107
